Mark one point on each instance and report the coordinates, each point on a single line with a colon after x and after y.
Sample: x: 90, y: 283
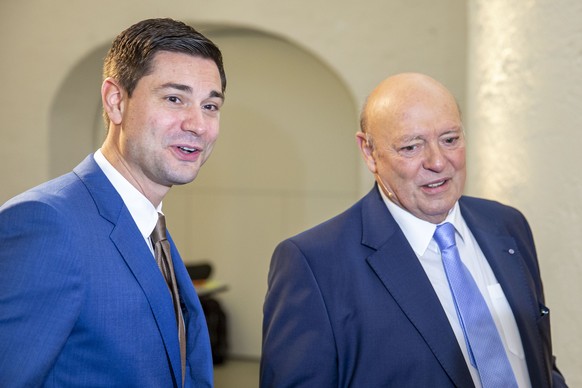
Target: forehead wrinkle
x: 177, y: 86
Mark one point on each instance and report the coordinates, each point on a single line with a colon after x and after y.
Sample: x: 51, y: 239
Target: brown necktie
x: 164, y: 260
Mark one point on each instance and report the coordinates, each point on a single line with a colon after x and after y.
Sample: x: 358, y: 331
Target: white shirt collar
x: 141, y: 209
x: 418, y: 232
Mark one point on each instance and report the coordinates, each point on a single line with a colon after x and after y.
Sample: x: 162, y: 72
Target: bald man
x: 363, y: 300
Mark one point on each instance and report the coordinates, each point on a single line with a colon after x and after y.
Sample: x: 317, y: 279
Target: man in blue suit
x: 363, y: 300
x: 82, y: 300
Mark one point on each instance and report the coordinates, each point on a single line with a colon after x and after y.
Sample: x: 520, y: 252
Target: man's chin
x: 437, y: 214
x: 182, y: 179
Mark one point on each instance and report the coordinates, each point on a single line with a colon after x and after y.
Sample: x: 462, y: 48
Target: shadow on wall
x: 75, y: 108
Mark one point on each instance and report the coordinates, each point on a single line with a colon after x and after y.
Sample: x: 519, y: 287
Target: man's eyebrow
x: 214, y: 93
x: 454, y: 129
x: 409, y: 138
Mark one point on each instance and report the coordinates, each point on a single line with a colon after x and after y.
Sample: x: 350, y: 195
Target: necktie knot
x: 159, y: 232
x: 445, y: 236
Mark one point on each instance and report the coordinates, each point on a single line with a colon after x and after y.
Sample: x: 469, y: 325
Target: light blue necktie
x: 484, y: 345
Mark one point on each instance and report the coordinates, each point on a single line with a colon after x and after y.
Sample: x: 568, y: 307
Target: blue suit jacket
x: 82, y: 301
x: 349, y: 304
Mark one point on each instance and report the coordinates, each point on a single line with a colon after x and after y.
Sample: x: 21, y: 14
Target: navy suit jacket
x: 349, y: 304
x: 82, y: 301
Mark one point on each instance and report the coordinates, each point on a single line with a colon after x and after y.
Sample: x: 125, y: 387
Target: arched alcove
x: 285, y: 160
x: 75, y: 109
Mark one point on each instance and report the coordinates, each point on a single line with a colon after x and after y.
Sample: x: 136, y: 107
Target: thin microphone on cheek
x: 383, y: 186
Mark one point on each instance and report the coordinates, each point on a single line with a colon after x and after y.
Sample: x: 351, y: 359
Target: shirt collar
x: 419, y: 233
x: 141, y: 209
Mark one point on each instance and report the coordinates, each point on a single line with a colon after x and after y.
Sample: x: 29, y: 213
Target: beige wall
x: 46, y: 46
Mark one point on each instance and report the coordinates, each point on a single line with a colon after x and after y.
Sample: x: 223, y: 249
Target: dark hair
x: 132, y: 52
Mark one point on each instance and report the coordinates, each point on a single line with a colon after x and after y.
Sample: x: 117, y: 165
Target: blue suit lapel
x: 139, y: 259
x: 397, y: 266
x: 135, y: 252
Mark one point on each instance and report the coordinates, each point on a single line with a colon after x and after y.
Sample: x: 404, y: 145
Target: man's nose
x: 434, y: 158
x: 194, y: 121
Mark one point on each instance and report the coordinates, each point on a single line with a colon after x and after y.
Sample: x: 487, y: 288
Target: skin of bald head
x: 412, y: 140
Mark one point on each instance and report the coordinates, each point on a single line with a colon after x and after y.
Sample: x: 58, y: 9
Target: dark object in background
x: 215, y: 315
x: 216, y: 321
x: 200, y: 271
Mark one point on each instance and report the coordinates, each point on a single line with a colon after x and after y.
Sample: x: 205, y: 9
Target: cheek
x: 458, y: 160
x: 406, y: 170
x: 389, y: 168
x: 462, y: 175
x: 213, y: 133
x: 142, y: 125
x: 399, y: 180
x: 210, y: 136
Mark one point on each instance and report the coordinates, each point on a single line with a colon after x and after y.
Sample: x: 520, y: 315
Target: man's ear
x: 367, y: 150
x: 112, y: 97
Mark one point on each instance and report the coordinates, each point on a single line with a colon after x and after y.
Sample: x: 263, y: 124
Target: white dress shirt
x: 419, y: 234
x: 141, y: 209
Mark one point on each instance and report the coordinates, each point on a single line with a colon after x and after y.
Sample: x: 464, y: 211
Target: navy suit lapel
x: 398, y: 268
x: 503, y: 256
x: 135, y: 252
x: 508, y: 264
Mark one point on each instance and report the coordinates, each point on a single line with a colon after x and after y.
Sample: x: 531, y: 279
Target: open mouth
x: 435, y: 185
x: 187, y: 150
